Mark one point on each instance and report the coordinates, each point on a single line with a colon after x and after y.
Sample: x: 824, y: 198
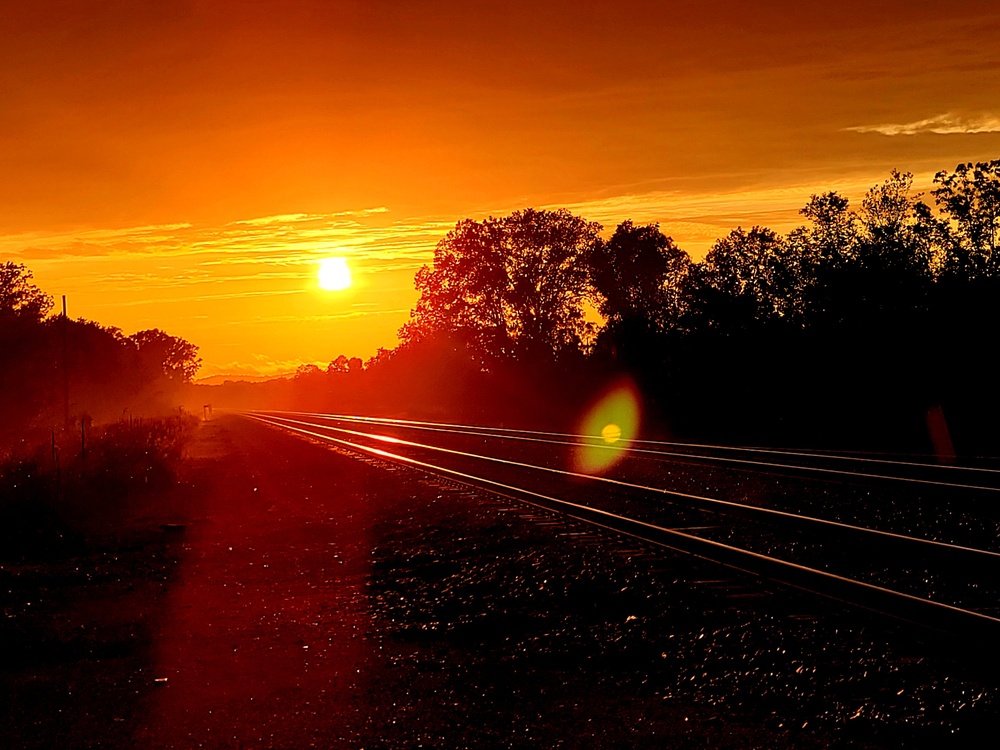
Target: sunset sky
x: 186, y: 165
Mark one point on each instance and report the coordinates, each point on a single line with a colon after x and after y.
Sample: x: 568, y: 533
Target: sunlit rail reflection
x: 597, y: 442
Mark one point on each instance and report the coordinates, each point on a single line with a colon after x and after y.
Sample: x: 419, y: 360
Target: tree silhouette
x: 19, y: 297
x: 970, y: 199
x: 966, y: 302
x: 743, y: 281
x: 340, y: 365
x: 638, y: 274
x: 895, y: 250
x: 865, y: 269
x: 511, y: 287
x: 382, y: 356
x: 168, y: 355
x: 308, y: 371
x: 817, y: 253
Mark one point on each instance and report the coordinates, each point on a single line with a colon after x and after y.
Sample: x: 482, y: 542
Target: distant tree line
x: 54, y: 370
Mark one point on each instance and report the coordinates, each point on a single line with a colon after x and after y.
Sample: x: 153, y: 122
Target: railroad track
x: 876, y: 560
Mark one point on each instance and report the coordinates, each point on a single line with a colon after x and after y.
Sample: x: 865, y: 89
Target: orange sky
x: 186, y: 164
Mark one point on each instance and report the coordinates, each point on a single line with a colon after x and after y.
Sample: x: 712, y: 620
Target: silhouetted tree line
x: 869, y: 326
x: 849, y: 329
x: 55, y: 371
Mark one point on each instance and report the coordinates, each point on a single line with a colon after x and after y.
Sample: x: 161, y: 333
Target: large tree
x: 167, y: 355
x: 512, y: 287
x: 970, y: 200
x: 19, y: 297
x: 743, y: 281
x: 895, y: 251
x: 638, y: 273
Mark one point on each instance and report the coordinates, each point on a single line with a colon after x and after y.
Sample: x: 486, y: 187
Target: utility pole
x: 65, y: 364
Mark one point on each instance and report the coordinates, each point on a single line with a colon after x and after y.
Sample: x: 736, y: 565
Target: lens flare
x: 609, y: 426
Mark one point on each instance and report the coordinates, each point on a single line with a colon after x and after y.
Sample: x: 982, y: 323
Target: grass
x: 52, y: 502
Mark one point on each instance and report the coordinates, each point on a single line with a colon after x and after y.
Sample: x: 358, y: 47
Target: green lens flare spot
x: 607, y: 429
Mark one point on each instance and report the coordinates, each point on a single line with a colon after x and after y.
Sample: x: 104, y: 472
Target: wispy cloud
x: 293, y: 218
x: 274, y: 319
x: 297, y: 239
x: 193, y: 299
x: 945, y: 124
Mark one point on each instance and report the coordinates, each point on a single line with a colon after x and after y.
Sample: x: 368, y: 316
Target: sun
x: 334, y: 274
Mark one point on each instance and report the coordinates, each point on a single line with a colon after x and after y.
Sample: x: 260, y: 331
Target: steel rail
x: 973, y: 554
x: 710, y: 446
x: 914, y: 609
x: 409, y: 424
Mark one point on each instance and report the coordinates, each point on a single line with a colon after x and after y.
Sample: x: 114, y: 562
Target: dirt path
x: 300, y: 598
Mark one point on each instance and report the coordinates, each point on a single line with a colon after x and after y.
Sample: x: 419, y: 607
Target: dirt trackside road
x: 300, y: 598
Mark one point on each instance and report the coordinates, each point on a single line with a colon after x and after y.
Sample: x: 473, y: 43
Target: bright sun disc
x: 334, y: 274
